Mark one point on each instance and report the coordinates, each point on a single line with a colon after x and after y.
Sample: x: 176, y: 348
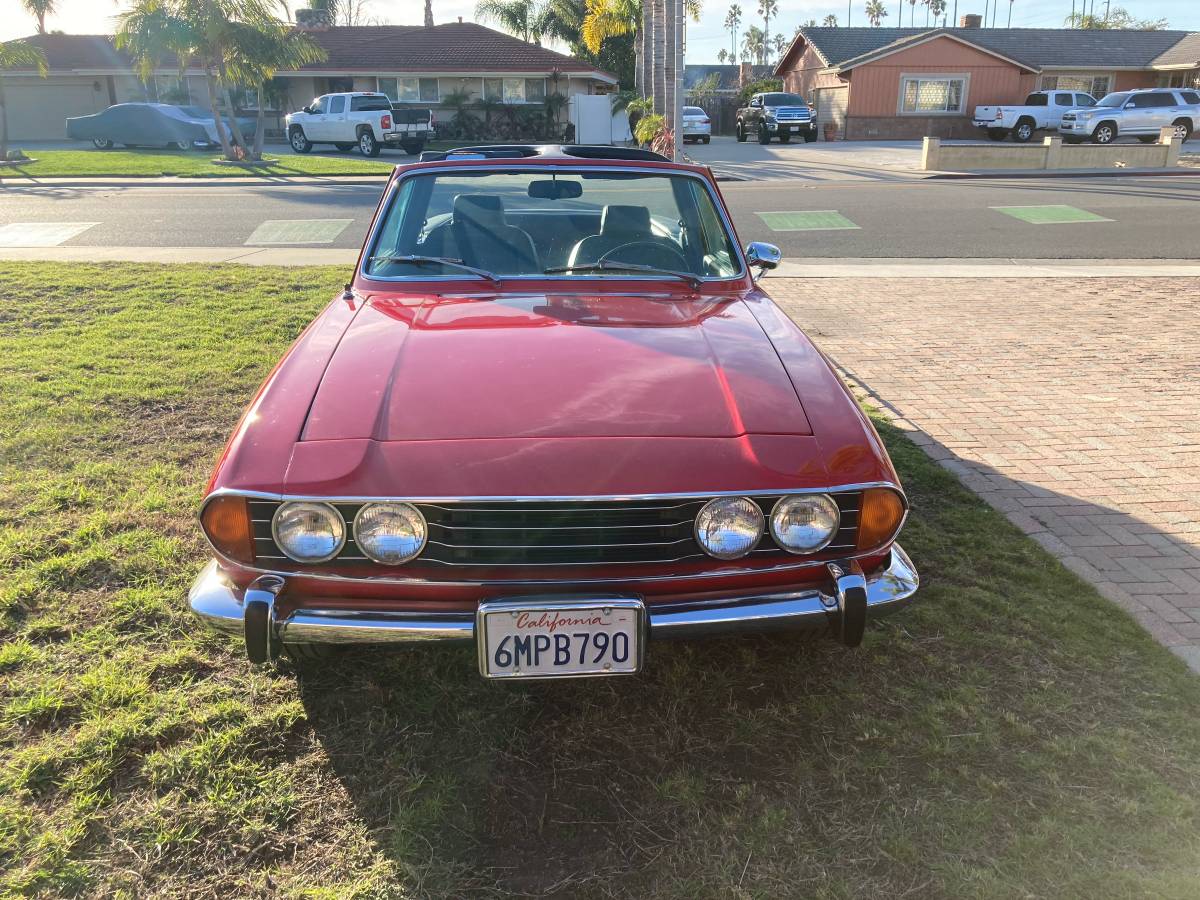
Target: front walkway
x: 1070, y: 406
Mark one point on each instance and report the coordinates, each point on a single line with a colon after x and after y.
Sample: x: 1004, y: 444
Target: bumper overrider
x: 844, y: 603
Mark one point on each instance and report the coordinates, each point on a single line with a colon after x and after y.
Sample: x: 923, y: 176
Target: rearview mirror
x: 555, y: 190
x: 763, y: 257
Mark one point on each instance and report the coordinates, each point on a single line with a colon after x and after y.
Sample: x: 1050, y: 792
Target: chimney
x: 745, y: 74
x: 971, y: 20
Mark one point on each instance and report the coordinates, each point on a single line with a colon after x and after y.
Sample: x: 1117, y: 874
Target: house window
x: 1096, y: 85
x: 925, y: 95
x: 410, y: 90
x: 515, y: 90
x: 172, y: 89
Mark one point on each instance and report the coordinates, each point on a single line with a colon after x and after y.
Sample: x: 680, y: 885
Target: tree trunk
x: 216, y: 111
x: 3, y: 123
x: 258, y: 131
x: 659, y: 90
x: 238, y: 137
x: 639, y: 60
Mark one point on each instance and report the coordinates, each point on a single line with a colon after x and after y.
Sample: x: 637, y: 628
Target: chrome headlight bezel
x: 824, y: 502
x: 392, y: 506
x: 753, y: 515
x: 327, y: 510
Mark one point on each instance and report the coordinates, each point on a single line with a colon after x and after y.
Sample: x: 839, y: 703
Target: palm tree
x: 829, y: 21
x: 615, y: 18
x: 779, y: 43
x: 203, y: 31
x: 428, y: 13
x: 766, y: 9
x: 39, y: 9
x: 754, y: 43
x: 733, y: 21
x: 722, y: 56
x: 16, y: 55
x: 520, y: 17
x: 876, y: 12
x: 938, y: 8
x: 259, y: 51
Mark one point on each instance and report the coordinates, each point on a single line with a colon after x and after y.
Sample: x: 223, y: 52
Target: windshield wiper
x: 606, y: 266
x: 440, y: 261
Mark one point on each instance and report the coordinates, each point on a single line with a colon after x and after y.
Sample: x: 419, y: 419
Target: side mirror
x: 763, y: 257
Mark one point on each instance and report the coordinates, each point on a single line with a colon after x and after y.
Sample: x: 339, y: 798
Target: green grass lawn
x: 1011, y: 735
x: 193, y: 164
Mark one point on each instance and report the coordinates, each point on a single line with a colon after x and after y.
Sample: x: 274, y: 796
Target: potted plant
x: 831, y: 131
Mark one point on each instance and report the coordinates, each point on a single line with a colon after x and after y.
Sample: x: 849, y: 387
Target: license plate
x: 560, y: 638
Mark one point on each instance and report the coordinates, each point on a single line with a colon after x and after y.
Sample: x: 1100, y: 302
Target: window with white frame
x: 409, y: 90
x: 1096, y: 85
x: 515, y: 90
x: 932, y: 95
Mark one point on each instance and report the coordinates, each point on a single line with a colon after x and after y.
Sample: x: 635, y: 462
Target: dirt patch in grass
x: 1013, y: 734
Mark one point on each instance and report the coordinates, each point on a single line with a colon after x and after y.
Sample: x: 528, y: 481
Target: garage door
x: 38, y: 112
x: 831, y: 107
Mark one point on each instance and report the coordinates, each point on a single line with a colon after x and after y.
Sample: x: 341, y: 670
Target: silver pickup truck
x: 1141, y: 114
x: 355, y: 119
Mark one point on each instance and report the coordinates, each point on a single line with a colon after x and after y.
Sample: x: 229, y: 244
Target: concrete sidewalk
x: 813, y: 268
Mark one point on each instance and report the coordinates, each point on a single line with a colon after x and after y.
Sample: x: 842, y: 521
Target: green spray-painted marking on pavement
x: 1049, y: 215
x: 808, y: 220
x: 298, y: 231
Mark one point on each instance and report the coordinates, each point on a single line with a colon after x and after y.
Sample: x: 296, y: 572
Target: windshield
x: 783, y: 100
x: 537, y: 222
x: 1114, y: 100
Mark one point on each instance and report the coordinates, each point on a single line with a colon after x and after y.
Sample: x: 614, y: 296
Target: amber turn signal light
x: 879, y: 517
x: 226, y: 521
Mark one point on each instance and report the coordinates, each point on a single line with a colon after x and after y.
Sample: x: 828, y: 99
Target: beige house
x: 411, y: 64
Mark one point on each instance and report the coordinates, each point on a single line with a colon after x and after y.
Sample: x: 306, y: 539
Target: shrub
x: 648, y: 128
x: 759, y: 87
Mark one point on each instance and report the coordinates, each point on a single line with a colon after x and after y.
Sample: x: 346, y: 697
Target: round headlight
x: 805, y: 523
x: 308, y: 532
x: 390, y: 533
x: 729, y: 527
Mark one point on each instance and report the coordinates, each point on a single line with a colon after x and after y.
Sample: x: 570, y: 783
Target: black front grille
x: 500, y: 533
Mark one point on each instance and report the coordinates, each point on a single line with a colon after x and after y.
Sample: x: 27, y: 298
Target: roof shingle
x: 455, y: 47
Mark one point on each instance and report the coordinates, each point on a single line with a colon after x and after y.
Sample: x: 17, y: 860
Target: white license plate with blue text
x: 560, y: 638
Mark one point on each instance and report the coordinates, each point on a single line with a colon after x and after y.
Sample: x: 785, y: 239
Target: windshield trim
x: 369, y: 248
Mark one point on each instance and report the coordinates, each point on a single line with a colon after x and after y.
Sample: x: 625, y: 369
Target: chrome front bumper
x: 849, y: 601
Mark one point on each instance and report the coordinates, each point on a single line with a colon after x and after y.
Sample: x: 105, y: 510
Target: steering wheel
x: 656, y: 247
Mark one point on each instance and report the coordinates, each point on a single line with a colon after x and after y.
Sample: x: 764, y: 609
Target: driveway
x: 820, y: 161
x: 1069, y: 406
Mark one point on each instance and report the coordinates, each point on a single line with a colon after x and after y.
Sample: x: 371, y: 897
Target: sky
x: 704, y: 39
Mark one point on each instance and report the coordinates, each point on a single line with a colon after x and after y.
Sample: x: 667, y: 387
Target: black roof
x: 1038, y: 47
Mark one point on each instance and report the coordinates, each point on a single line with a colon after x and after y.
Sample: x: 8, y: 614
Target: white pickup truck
x: 1042, y: 111
x: 355, y: 119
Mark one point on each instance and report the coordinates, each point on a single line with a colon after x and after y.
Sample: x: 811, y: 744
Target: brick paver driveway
x: 1073, y: 407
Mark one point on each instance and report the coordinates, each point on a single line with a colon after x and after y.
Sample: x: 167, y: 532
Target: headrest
x: 625, y: 220
x: 479, y: 209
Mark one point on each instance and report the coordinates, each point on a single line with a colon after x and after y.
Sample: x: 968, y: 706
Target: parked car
x: 555, y: 414
x: 697, y: 126
x: 779, y: 115
x: 1041, y: 111
x: 353, y: 119
x: 417, y: 126
x: 1141, y: 114
x: 152, y: 125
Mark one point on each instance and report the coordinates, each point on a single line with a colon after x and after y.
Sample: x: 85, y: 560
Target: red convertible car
x: 553, y: 414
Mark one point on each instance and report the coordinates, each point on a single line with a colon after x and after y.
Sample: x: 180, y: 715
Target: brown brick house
x: 911, y: 82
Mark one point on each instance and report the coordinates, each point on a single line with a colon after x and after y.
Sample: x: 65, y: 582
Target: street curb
x: 1016, y: 174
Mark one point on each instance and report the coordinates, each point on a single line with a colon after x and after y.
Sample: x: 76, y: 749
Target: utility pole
x: 985, y: 12
x: 1010, y: 5
x: 955, y: 13
x: 849, y: 6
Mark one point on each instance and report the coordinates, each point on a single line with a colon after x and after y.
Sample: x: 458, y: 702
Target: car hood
x: 507, y: 366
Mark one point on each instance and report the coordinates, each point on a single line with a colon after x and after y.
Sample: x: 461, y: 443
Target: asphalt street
x: 1125, y: 217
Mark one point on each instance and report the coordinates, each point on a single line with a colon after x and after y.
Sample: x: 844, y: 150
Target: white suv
x: 1138, y: 113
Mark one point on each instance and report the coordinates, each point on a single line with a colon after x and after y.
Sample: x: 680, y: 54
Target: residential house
x: 912, y: 82
x: 421, y: 65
